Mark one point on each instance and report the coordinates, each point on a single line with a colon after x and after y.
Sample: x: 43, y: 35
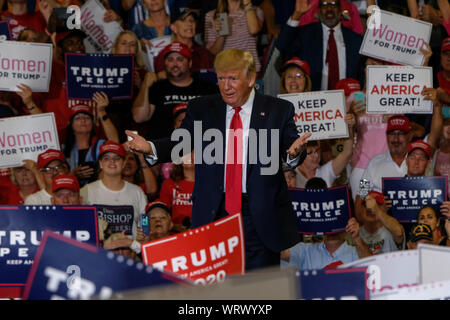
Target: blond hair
x: 138, y: 55
x: 235, y: 59
x: 308, y: 82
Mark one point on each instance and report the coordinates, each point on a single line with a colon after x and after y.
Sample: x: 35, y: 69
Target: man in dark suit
x: 254, y: 187
x: 313, y: 44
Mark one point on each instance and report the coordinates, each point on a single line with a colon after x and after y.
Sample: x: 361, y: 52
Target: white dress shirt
x: 340, y: 45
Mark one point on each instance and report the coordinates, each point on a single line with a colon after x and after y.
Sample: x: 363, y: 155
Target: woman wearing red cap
x: 295, y: 76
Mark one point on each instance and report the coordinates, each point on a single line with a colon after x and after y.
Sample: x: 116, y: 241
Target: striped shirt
x: 239, y: 37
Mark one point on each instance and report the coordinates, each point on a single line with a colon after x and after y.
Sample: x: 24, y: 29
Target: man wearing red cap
x: 418, y: 159
x: 380, y: 231
x: 111, y: 189
x: 156, y: 100
x: 392, y: 162
x: 66, y: 190
x: 50, y: 163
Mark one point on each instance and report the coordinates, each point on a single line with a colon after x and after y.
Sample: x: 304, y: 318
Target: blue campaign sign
x: 5, y: 32
x: 410, y: 194
x: 334, y: 284
x: 21, y: 229
x: 90, y: 73
x: 68, y: 269
x: 321, y: 211
x: 119, y: 218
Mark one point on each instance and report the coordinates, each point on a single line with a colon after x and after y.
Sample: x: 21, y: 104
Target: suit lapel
x: 257, y: 120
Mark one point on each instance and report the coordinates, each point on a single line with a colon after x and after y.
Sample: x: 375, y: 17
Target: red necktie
x: 332, y: 60
x: 233, y: 182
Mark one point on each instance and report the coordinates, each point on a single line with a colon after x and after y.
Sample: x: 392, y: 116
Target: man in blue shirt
x: 333, y: 250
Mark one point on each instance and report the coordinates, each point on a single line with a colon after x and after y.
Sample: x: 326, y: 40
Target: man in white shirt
x: 391, y: 163
x: 50, y: 164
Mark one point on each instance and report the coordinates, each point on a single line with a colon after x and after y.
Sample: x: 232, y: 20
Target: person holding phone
x: 243, y: 22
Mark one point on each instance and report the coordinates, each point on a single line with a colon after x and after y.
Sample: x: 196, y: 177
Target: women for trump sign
x: 204, y: 255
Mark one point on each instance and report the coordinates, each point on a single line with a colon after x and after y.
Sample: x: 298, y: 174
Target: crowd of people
x: 318, y: 43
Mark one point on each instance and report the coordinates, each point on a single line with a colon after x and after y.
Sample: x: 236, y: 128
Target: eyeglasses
x: 58, y: 169
x: 295, y: 76
x: 329, y: 4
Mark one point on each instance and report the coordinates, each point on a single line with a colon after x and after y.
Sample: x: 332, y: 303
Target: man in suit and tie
x: 331, y: 50
x: 239, y: 183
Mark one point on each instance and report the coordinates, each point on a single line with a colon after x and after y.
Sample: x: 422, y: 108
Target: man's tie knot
x: 237, y: 109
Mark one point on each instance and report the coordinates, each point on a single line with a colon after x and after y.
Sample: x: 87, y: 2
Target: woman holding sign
x: 428, y: 215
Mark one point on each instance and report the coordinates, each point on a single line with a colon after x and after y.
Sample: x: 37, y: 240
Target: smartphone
x: 224, y: 30
x: 364, y: 188
x: 446, y: 111
x: 359, y: 95
x: 130, y: 138
x: 145, y: 224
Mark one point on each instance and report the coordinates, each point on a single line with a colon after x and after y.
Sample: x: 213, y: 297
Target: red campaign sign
x: 204, y: 254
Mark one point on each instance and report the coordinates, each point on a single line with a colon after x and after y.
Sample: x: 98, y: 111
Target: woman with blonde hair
x: 295, y: 76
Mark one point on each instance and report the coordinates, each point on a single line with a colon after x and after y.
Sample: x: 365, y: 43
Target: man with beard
x: 156, y: 100
x: 330, y: 49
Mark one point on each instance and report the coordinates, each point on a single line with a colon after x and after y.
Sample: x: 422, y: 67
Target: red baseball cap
x: 179, y: 109
x: 179, y: 47
x: 378, y: 196
x: 66, y: 181
x: 48, y: 156
x: 420, y: 144
x: 445, y: 45
x: 157, y: 204
x: 299, y: 63
x: 349, y: 85
x: 111, y: 146
x: 398, y: 123
x: 81, y: 108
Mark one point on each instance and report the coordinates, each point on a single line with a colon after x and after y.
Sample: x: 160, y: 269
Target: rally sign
x: 101, y: 34
x: 119, y: 218
x: 68, y: 269
x: 158, y: 44
x: 398, y: 89
x: 395, y: 38
x: 322, y: 211
x: 25, y: 137
x: 389, y: 271
x: 410, y: 194
x: 204, y: 255
x: 334, y: 284
x: 89, y: 73
x: 5, y: 31
x: 21, y: 232
x: 321, y: 113
x: 439, y: 290
x: 433, y: 262
x: 29, y: 63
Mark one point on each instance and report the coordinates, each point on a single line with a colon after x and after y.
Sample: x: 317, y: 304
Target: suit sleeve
x: 287, y: 42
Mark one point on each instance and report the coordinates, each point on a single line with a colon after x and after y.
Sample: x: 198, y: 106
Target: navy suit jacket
x: 268, y: 196
x: 306, y: 43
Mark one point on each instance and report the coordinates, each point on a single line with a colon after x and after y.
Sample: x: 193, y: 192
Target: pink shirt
x: 371, y: 139
x: 354, y: 23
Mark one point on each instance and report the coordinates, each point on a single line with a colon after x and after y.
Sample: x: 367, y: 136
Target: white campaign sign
x: 430, y: 291
x: 101, y: 35
x: 396, y: 38
x: 398, y: 89
x: 322, y: 113
x: 158, y: 44
x: 25, y: 62
x: 25, y: 137
x: 434, y: 262
x: 389, y: 271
